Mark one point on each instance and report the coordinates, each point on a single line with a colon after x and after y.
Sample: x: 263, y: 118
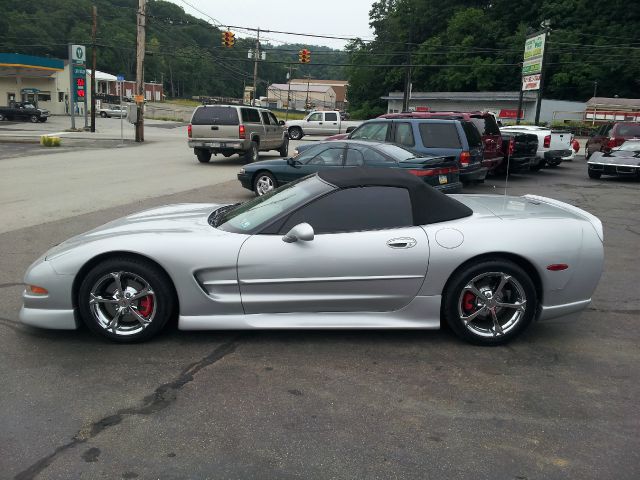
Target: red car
x: 612, y: 135
x: 484, y: 122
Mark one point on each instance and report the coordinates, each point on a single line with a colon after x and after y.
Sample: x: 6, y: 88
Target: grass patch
x: 185, y: 102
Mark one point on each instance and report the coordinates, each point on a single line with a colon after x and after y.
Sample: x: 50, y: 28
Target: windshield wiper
x: 218, y: 214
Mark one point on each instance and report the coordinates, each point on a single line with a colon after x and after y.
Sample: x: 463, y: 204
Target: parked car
x: 354, y: 248
x: 611, y: 135
x: 112, y: 111
x: 553, y: 145
x: 319, y: 123
x: 486, y: 124
x: 519, y: 150
x: 24, y: 111
x: 621, y: 161
x: 439, y: 172
x: 229, y: 129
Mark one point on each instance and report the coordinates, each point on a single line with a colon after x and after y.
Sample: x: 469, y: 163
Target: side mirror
x: 302, y: 231
x: 292, y: 162
x: 281, y: 123
x: 350, y: 129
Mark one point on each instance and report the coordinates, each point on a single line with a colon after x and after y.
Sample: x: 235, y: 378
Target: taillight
x: 512, y: 146
x: 465, y: 158
x: 547, y: 141
x: 241, y: 131
x: 433, y: 171
x: 575, y: 145
x: 189, y: 131
x: 615, y: 142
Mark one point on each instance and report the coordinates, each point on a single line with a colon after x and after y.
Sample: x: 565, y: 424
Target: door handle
x: 404, y: 242
x: 319, y: 123
x: 214, y: 128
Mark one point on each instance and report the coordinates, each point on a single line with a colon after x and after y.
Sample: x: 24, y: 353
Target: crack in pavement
x: 7, y: 322
x: 160, y: 399
x: 7, y: 285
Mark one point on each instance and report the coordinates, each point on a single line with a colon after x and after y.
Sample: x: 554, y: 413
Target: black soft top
x: 428, y: 204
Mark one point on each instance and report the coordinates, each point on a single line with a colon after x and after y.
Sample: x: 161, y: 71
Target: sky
x: 344, y: 18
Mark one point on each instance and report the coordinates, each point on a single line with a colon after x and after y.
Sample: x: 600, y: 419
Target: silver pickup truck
x: 319, y: 123
x: 229, y: 129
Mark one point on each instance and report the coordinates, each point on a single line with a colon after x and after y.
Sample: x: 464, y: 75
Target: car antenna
x: 506, y: 177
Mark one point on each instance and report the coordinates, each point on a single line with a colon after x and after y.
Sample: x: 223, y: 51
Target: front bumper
x: 245, y: 180
x: 618, y: 170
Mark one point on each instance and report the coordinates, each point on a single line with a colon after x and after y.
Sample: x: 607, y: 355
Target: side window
x: 371, y: 131
x: 473, y: 135
x: 330, y: 157
x: 331, y: 117
x: 373, y: 158
x: 265, y: 118
x: 274, y: 120
x: 354, y: 158
x: 404, y: 134
x: 250, y: 115
x: 439, y: 135
x: 316, y: 117
x: 355, y: 210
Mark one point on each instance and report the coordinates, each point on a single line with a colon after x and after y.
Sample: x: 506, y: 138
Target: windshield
x: 260, y: 211
x: 629, y: 147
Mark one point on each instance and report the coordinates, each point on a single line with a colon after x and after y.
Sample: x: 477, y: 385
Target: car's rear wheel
x: 263, y: 183
x: 252, y: 155
x: 537, y: 167
x: 594, y: 175
x: 126, y: 300
x: 2, y: 117
x: 34, y: 118
x: 103, y: 114
x: 203, y: 155
x: 284, y: 149
x: 489, y: 302
x: 553, y: 163
x: 295, y: 133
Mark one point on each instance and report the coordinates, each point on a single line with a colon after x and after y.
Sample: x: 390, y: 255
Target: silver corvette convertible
x: 348, y: 248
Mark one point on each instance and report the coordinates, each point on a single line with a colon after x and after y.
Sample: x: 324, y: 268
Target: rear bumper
x: 454, y: 187
x: 517, y: 164
x: 557, y: 154
x: 220, y: 144
x: 473, y: 173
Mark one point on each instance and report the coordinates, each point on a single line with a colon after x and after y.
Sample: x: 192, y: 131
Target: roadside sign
x: 78, y: 54
x: 138, y: 98
x: 531, y: 67
x: 120, y: 78
x: 79, y: 83
x: 534, y: 47
x: 531, y: 82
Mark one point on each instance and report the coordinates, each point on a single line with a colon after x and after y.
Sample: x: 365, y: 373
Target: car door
x: 323, y: 156
x: 279, y: 130
x: 366, y: 256
x: 270, y: 130
x: 314, y: 124
x: 331, y: 124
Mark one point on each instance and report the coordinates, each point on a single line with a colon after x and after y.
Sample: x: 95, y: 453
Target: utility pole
x: 306, y: 102
x: 256, y: 57
x: 406, y: 96
x: 546, y: 24
x: 286, y: 115
x: 94, y: 29
x: 140, y: 47
x: 520, y: 97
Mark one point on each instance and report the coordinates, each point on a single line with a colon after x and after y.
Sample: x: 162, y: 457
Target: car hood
x: 174, y: 219
x: 265, y: 163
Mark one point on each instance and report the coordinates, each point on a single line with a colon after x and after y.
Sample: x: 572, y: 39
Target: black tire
x: 295, y: 133
x: 34, y: 118
x: 203, y: 155
x: 284, y: 149
x: 42, y: 120
x: 103, y: 114
x: 553, y: 163
x: 134, y: 275
x: 264, y: 182
x: 537, y: 167
x: 2, y: 117
x: 594, y: 175
x: 486, y: 275
x: 252, y: 155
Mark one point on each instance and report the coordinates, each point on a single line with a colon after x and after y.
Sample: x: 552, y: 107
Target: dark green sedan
x: 439, y: 172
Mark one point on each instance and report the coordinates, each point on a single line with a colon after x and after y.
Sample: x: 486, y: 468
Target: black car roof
x: 428, y: 204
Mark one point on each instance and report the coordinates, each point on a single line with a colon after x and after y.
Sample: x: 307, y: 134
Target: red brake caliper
x: 468, y: 302
x: 145, y: 306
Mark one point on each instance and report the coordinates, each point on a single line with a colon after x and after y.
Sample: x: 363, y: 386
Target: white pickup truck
x: 554, y: 146
x: 319, y: 123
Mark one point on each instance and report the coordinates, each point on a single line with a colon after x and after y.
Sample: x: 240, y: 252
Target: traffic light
x: 228, y: 39
x: 304, y: 56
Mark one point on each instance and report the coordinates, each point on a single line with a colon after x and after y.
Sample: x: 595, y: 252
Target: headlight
x: 241, y: 171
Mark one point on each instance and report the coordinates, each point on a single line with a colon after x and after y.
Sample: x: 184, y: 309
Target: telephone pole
x: 306, y: 102
x: 256, y: 57
x: 140, y: 47
x: 286, y: 115
x: 94, y: 28
x: 546, y: 24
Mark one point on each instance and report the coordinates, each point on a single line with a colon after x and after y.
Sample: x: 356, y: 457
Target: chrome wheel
x: 264, y: 184
x: 122, y: 303
x: 492, y: 304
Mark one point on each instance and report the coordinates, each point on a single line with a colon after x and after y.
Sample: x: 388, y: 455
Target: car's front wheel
x: 263, y: 183
x: 284, y: 149
x: 34, y: 118
x: 103, y: 114
x: 126, y: 299
x: 489, y: 302
x: 295, y: 133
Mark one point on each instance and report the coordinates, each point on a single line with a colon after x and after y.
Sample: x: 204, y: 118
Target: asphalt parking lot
x: 559, y: 403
